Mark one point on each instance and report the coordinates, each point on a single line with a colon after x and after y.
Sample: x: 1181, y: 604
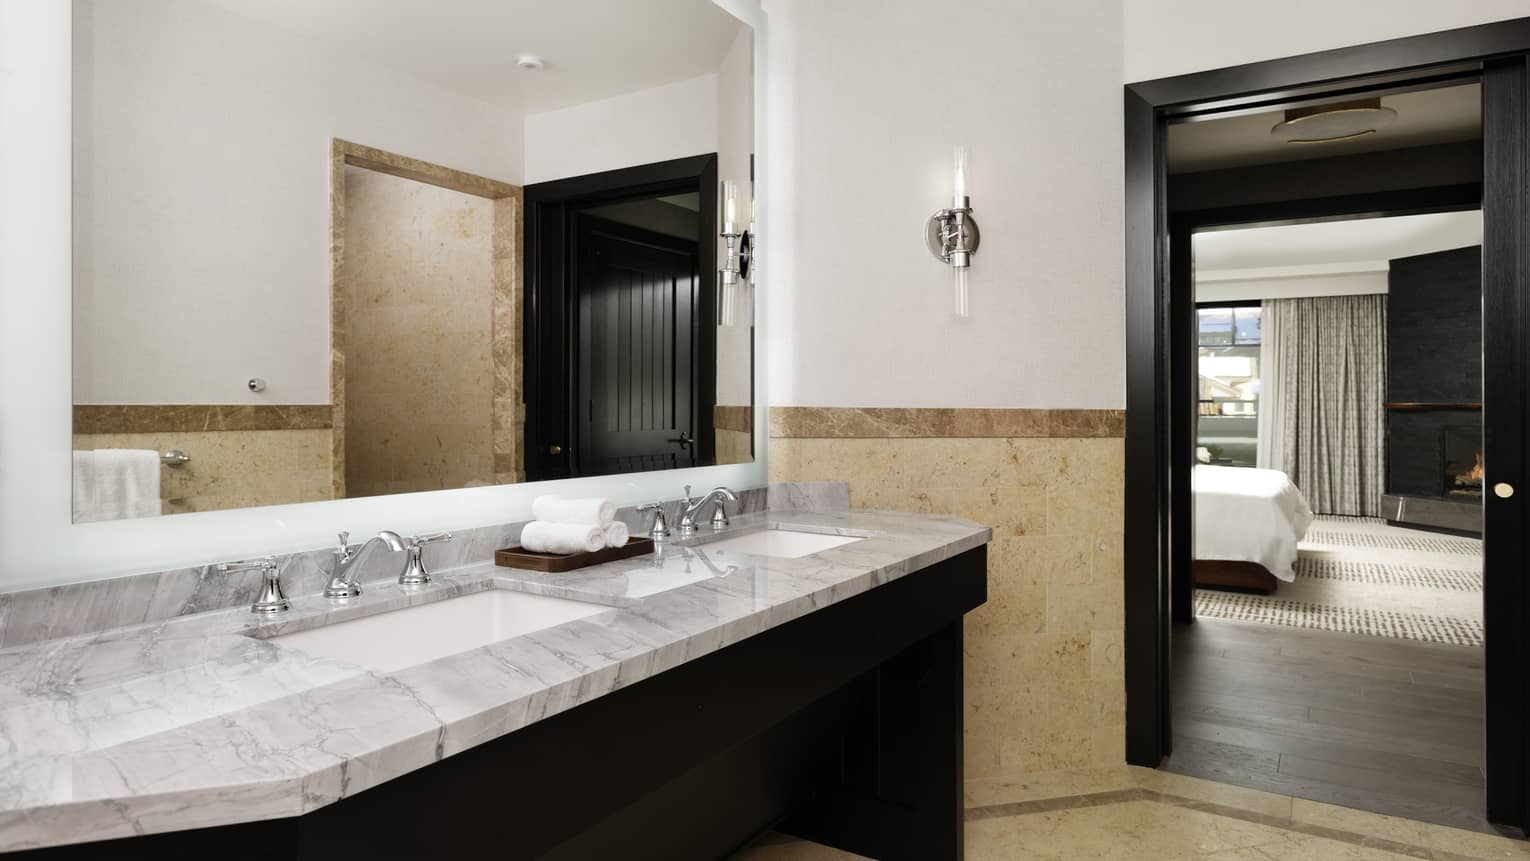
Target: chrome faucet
x: 342, y: 578
x: 719, y: 514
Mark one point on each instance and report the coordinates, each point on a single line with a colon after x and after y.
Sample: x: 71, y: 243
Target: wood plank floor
x: 1387, y: 725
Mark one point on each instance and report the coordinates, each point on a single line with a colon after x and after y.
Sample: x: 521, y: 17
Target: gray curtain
x: 1330, y: 366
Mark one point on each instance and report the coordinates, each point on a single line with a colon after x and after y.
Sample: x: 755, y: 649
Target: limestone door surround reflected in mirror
x: 436, y: 376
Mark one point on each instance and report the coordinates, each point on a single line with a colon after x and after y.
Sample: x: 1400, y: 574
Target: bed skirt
x: 1244, y: 576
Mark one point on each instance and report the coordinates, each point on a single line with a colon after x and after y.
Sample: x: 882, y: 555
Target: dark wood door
x: 636, y: 295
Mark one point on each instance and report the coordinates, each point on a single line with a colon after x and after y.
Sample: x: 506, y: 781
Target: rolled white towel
x: 556, y: 509
x: 616, y: 534
x: 540, y: 536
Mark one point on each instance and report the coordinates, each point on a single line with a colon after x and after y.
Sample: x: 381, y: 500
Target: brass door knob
x: 1503, y: 490
x: 555, y: 449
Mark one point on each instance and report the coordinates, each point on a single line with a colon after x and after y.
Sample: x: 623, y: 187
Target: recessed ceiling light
x: 1339, y: 121
x: 529, y: 61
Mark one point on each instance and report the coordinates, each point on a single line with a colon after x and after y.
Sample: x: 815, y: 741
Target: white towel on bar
x: 556, y: 509
x: 115, y: 484
x: 540, y: 536
x: 616, y: 534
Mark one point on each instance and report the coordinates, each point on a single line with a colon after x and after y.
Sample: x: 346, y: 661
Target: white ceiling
x: 593, y: 49
x: 1335, y: 242
x: 1425, y: 117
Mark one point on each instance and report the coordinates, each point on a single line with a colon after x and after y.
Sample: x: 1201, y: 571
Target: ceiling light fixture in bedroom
x: 1338, y: 121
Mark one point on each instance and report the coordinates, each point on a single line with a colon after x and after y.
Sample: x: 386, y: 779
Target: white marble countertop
x: 198, y: 721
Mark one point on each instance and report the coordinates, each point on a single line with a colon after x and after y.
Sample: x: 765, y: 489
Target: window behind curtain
x: 1229, y: 337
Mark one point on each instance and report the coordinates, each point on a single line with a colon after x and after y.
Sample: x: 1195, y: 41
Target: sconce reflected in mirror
x: 952, y: 235
x: 737, y: 256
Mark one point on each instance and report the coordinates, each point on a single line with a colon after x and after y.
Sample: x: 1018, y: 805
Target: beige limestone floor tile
x: 1251, y: 800
x: 1472, y: 844
x: 1129, y: 831
x: 984, y: 792
x: 1362, y: 822
x: 1306, y: 849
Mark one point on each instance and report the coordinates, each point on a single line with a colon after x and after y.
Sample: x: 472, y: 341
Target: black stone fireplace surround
x: 1434, y: 390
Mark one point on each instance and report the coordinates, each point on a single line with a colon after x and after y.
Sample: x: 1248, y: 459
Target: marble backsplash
x: 84, y: 608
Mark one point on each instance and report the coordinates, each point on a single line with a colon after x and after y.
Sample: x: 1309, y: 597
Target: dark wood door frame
x: 551, y: 327
x: 1154, y: 536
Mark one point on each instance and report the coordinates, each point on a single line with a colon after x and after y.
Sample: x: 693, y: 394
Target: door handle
x: 684, y: 441
x: 555, y: 449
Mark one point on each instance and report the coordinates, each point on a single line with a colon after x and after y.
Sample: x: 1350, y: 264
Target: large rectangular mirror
x: 328, y: 249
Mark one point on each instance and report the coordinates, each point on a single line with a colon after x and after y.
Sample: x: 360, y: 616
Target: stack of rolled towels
x: 572, y: 526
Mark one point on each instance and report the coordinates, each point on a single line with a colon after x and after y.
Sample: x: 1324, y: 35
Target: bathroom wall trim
x: 943, y: 423
x: 1500, y: 53
x: 192, y: 418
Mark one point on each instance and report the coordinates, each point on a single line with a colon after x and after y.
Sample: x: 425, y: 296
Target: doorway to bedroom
x: 1339, y: 362
x: 1331, y: 648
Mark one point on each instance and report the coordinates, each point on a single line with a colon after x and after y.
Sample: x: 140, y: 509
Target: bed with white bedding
x: 1246, y: 517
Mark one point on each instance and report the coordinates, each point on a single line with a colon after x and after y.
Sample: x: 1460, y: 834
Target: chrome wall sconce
x: 952, y: 235
x: 737, y: 256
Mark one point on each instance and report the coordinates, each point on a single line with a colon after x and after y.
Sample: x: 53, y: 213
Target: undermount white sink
x: 780, y: 543
x: 414, y: 635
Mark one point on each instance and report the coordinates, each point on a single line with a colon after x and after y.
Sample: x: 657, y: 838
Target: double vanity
x: 795, y: 669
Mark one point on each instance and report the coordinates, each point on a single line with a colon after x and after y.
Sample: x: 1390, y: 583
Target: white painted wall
x: 867, y: 100
x: 1250, y: 285
x: 202, y: 236
x: 1173, y: 37
x: 671, y: 121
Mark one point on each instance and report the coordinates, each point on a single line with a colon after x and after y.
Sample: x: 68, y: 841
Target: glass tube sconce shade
x: 738, y: 252
x: 952, y: 235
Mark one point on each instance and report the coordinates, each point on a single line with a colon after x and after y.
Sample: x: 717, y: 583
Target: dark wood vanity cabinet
x: 843, y: 726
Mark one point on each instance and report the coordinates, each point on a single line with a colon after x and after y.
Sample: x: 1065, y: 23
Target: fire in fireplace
x: 1461, y: 456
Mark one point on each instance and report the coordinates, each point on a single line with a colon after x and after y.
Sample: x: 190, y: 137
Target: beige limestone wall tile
x: 1044, y: 653
x: 1107, y: 654
x: 233, y: 469
x: 419, y: 295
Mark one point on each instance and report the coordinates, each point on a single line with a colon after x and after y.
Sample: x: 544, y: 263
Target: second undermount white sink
x: 780, y: 543
x: 415, y: 635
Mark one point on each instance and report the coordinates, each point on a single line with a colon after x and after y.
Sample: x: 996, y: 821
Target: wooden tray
x: 519, y: 557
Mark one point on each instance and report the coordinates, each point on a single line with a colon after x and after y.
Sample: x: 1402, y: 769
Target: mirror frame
x: 39, y: 545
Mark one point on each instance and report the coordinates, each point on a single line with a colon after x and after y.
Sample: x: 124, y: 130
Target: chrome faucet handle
x: 687, y: 494
x: 343, y: 550
x: 271, y: 600
x: 414, y: 569
x: 660, y: 528
x: 719, y: 515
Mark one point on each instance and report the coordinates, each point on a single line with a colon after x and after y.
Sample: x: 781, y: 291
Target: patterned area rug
x: 1361, y: 576
x: 1421, y: 542
x: 1396, y: 574
x: 1271, y: 610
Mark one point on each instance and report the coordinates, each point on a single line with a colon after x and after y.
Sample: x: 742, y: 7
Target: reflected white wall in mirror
x: 331, y: 198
